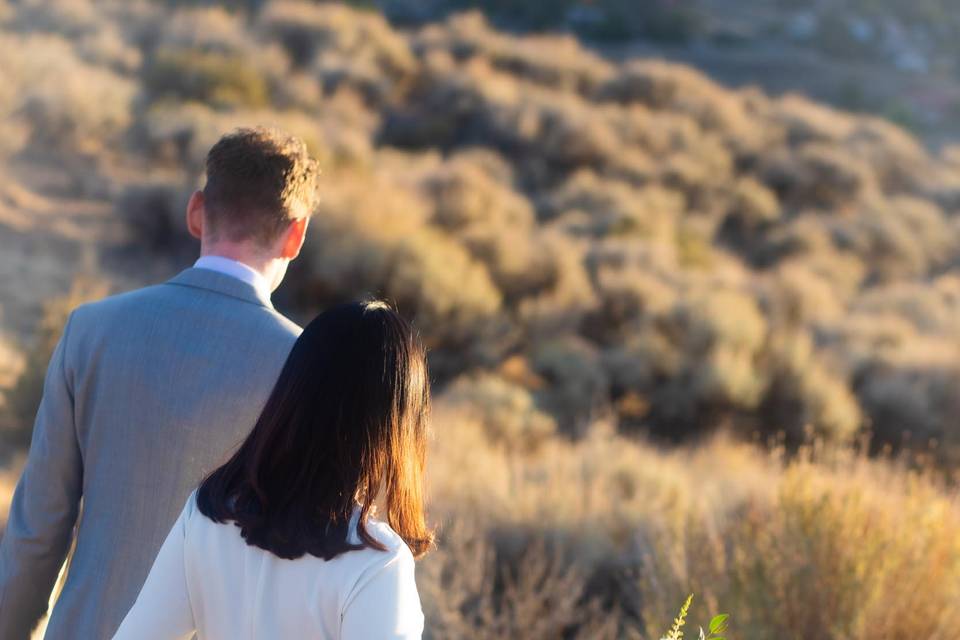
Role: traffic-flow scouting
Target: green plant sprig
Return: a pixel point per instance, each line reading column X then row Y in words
column 717, row 627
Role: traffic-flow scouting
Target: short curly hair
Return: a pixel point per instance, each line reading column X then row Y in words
column 258, row 180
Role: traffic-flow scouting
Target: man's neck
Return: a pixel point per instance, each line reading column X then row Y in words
column 256, row 263
column 269, row 269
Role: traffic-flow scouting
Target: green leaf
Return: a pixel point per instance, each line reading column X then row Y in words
column 719, row 623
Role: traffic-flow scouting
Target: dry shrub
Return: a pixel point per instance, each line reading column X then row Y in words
column 108, row 47
column 898, row 160
column 342, row 46
column 63, row 102
column 576, row 386
column 931, row 308
column 851, row 551
column 434, row 279
column 219, row 79
column 12, row 362
column 817, row 176
column 900, row 344
column 155, row 212
column 627, row 294
column 558, row 62
column 24, row 397
column 701, row 173
column 347, row 31
column 900, row 237
column 98, row 41
column 730, row 327
column 912, row 404
column 797, row 296
column 805, row 121
column 806, row 394
column 556, row 131
column 371, row 237
column 753, row 209
column 665, row 86
column 71, row 18
column 472, row 590
column 826, row 545
column 805, row 240
column 559, row 307
column 473, row 206
column 754, row 203
column 205, row 28
column 179, row 136
column 612, row 207
column 696, row 360
column 444, row 113
column 211, row 55
column 505, row 411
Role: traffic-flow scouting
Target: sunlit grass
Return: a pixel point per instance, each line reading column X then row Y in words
column 822, row 544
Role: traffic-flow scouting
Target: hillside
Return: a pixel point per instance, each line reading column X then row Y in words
column 626, row 239
column 891, row 58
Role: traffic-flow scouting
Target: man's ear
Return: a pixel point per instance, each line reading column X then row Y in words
column 293, row 240
column 195, row 211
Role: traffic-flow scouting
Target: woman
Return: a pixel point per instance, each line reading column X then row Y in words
column 280, row 542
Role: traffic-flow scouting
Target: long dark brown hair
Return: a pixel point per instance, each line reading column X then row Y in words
column 345, row 426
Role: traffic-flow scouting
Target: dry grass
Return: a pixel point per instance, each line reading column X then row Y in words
column 605, row 537
column 828, row 544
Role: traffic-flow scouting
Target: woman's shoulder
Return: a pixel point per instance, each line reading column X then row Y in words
column 395, row 551
column 194, row 519
column 386, row 570
column 385, row 535
column 190, row 509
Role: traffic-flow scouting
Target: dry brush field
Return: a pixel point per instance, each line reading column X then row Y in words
column 684, row 338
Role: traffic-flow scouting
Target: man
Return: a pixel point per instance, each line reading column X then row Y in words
column 148, row 391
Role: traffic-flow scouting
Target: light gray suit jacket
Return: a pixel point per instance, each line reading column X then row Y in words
column 146, row 392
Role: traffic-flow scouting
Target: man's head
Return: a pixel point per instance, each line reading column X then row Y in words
column 261, row 190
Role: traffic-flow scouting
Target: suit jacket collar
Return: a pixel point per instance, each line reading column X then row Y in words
column 222, row 284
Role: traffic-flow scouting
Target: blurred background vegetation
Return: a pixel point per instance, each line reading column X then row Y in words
column 691, row 330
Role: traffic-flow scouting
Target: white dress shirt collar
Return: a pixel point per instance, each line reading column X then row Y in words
column 235, row 269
